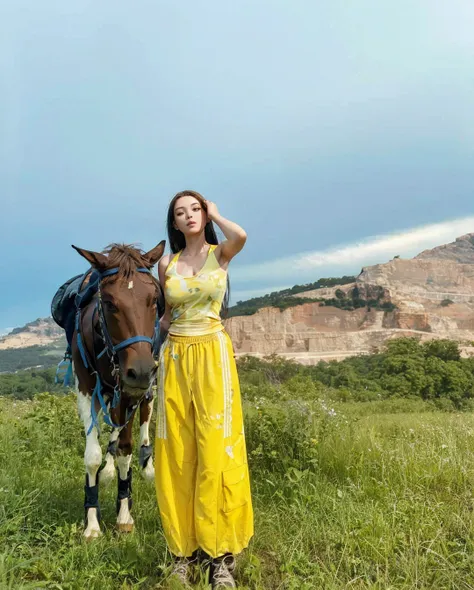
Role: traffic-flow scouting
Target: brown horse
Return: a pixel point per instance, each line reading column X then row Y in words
column 113, row 348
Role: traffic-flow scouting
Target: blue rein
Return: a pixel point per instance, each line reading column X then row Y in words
column 112, row 350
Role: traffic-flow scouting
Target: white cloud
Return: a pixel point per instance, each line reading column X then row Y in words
column 351, row 257
column 5, row 331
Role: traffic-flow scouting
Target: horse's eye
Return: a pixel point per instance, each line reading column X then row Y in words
column 110, row 306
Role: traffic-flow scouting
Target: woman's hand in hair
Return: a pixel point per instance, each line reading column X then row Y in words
column 211, row 209
column 235, row 236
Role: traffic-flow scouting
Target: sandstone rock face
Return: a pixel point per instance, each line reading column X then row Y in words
column 433, row 294
column 461, row 250
column 41, row 332
column 325, row 292
column 429, row 279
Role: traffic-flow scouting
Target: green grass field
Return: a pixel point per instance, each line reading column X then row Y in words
column 372, row 495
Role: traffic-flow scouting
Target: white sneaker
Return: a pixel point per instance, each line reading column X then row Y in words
column 222, row 569
column 182, row 571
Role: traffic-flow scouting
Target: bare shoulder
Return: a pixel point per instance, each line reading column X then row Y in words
column 162, row 266
column 223, row 262
column 227, row 250
column 164, row 261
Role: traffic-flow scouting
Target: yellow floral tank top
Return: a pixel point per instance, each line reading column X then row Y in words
column 196, row 301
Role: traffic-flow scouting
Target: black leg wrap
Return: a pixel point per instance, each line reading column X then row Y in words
column 112, row 448
column 124, row 489
column 91, row 497
column 145, row 453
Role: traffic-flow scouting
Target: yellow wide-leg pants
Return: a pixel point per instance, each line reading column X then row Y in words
column 202, row 477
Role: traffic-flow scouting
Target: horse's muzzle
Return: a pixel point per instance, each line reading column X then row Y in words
column 138, row 376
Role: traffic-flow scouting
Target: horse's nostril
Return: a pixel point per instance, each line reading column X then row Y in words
column 132, row 374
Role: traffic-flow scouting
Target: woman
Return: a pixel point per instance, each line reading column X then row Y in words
column 202, row 479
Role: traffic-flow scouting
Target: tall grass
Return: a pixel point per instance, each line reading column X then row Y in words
column 374, row 495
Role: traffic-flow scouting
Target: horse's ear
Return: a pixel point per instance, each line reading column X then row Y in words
column 96, row 259
column 155, row 254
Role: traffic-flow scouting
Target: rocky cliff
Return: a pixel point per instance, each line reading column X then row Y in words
column 433, row 294
column 43, row 332
column 461, row 250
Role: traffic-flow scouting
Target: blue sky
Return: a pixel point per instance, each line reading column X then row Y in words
column 337, row 134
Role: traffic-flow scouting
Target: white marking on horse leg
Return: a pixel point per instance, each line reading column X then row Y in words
column 124, row 518
column 93, row 528
column 148, row 473
column 144, row 432
column 107, row 473
column 92, row 460
column 93, row 452
column 123, row 464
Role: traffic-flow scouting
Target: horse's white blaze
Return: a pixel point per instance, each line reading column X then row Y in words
column 124, row 516
column 148, row 473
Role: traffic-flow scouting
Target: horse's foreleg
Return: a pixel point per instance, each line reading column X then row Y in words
column 146, row 458
column 124, row 496
column 92, row 461
column 107, row 473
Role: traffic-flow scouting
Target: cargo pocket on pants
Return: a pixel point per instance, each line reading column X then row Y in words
column 235, row 487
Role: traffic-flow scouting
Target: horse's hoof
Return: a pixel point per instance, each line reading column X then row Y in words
column 91, row 525
column 125, row 527
column 91, row 535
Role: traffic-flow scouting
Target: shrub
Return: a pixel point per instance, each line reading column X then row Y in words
column 446, row 302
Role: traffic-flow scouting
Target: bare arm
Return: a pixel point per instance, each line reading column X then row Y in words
column 234, row 234
column 165, row 319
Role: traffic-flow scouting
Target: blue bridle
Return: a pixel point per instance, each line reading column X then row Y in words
column 111, row 349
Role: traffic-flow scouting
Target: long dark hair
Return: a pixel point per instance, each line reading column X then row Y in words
column 177, row 241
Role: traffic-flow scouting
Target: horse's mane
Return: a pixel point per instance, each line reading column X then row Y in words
column 127, row 258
